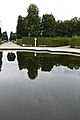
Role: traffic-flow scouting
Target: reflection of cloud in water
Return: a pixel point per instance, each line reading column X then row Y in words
column 61, row 70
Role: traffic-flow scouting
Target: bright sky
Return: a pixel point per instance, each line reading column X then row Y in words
column 11, row 9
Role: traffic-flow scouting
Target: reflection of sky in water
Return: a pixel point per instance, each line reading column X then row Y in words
column 53, row 95
column 10, row 69
column 65, row 70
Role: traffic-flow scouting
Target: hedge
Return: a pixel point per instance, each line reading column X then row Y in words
column 75, row 41
column 46, row 41
column 28, row 41
column 0, row 41
column 19, row 41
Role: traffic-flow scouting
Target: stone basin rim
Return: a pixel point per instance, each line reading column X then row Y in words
column 49, row 50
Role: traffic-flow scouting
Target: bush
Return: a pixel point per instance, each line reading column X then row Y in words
column 75, row 41
column 51, row 42
column 19, row 41
column 0, row 40
column 61, row 41
column 28, row 41
column 45, row 41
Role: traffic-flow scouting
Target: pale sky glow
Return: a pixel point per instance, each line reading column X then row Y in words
column 11, row 9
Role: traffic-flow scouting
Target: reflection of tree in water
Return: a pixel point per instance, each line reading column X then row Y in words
column 32, row 66
column 45, row 61
column 30, row 62
column 11, row 56
column 0, row 60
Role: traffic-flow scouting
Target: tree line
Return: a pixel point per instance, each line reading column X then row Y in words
column 34, row 26
column 4, row 36
column 0, row 31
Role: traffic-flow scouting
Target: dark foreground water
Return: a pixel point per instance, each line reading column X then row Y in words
column 39, row 86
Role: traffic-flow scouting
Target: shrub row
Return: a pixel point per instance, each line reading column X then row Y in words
column 52, row 42
column 28, row 41
column 0, row 40
column 75, row 41
column 45, row 41
column 19, row 41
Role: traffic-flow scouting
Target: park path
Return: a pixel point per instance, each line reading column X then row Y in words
column 63, row 49
column 9, row 44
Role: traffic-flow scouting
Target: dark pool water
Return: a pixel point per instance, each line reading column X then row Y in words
column 37, row 86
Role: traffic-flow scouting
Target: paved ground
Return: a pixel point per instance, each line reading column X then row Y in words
column 64, row 49
column 9, row 44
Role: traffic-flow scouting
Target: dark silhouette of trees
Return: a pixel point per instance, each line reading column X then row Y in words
column 48, row 25
column 33, row 20
column 4, row 36
column 29, row 25
column 12, row 36
column 21, row 27
column 32, row 25
column 0, row 32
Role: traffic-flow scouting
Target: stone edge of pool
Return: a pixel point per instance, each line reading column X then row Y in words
column 46, row 49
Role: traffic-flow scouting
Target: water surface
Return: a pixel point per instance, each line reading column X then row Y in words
column 36, row 86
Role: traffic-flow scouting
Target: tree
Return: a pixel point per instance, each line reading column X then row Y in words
column 65, row 28
column 48, row 25
column 73, row 22
column 20, row 30
column 60, row 28
column 68, row 28
column 4, row 36
column 78, row 27
column 0, row 32
column 12, row 36
column 33, row 20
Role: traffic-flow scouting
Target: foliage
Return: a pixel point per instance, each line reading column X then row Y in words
column 20, row 27
column 47, row 25
column 0, row 35
column 75, row 41
column 12, row 36
column 19, row 41
column 29, row 25
column 28, row 41
column 0, row 40
column 48, row 31
column 33, row 20
column 46, row 41
column 51, row 41
column 0, row 32
column 4, row 36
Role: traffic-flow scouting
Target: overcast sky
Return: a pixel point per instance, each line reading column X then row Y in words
column 11, row 9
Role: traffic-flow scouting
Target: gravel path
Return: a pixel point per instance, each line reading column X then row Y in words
column 63, row 49
column 9, row 44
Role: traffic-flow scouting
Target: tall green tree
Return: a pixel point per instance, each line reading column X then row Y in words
column 65, row 28
column 73, row 22
column 12, row 36
column 0, row 32
column 48, row 25
column 78, row 27
column 20, row 30
column 4, row 36
column 60, row 29
column 33, row 20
